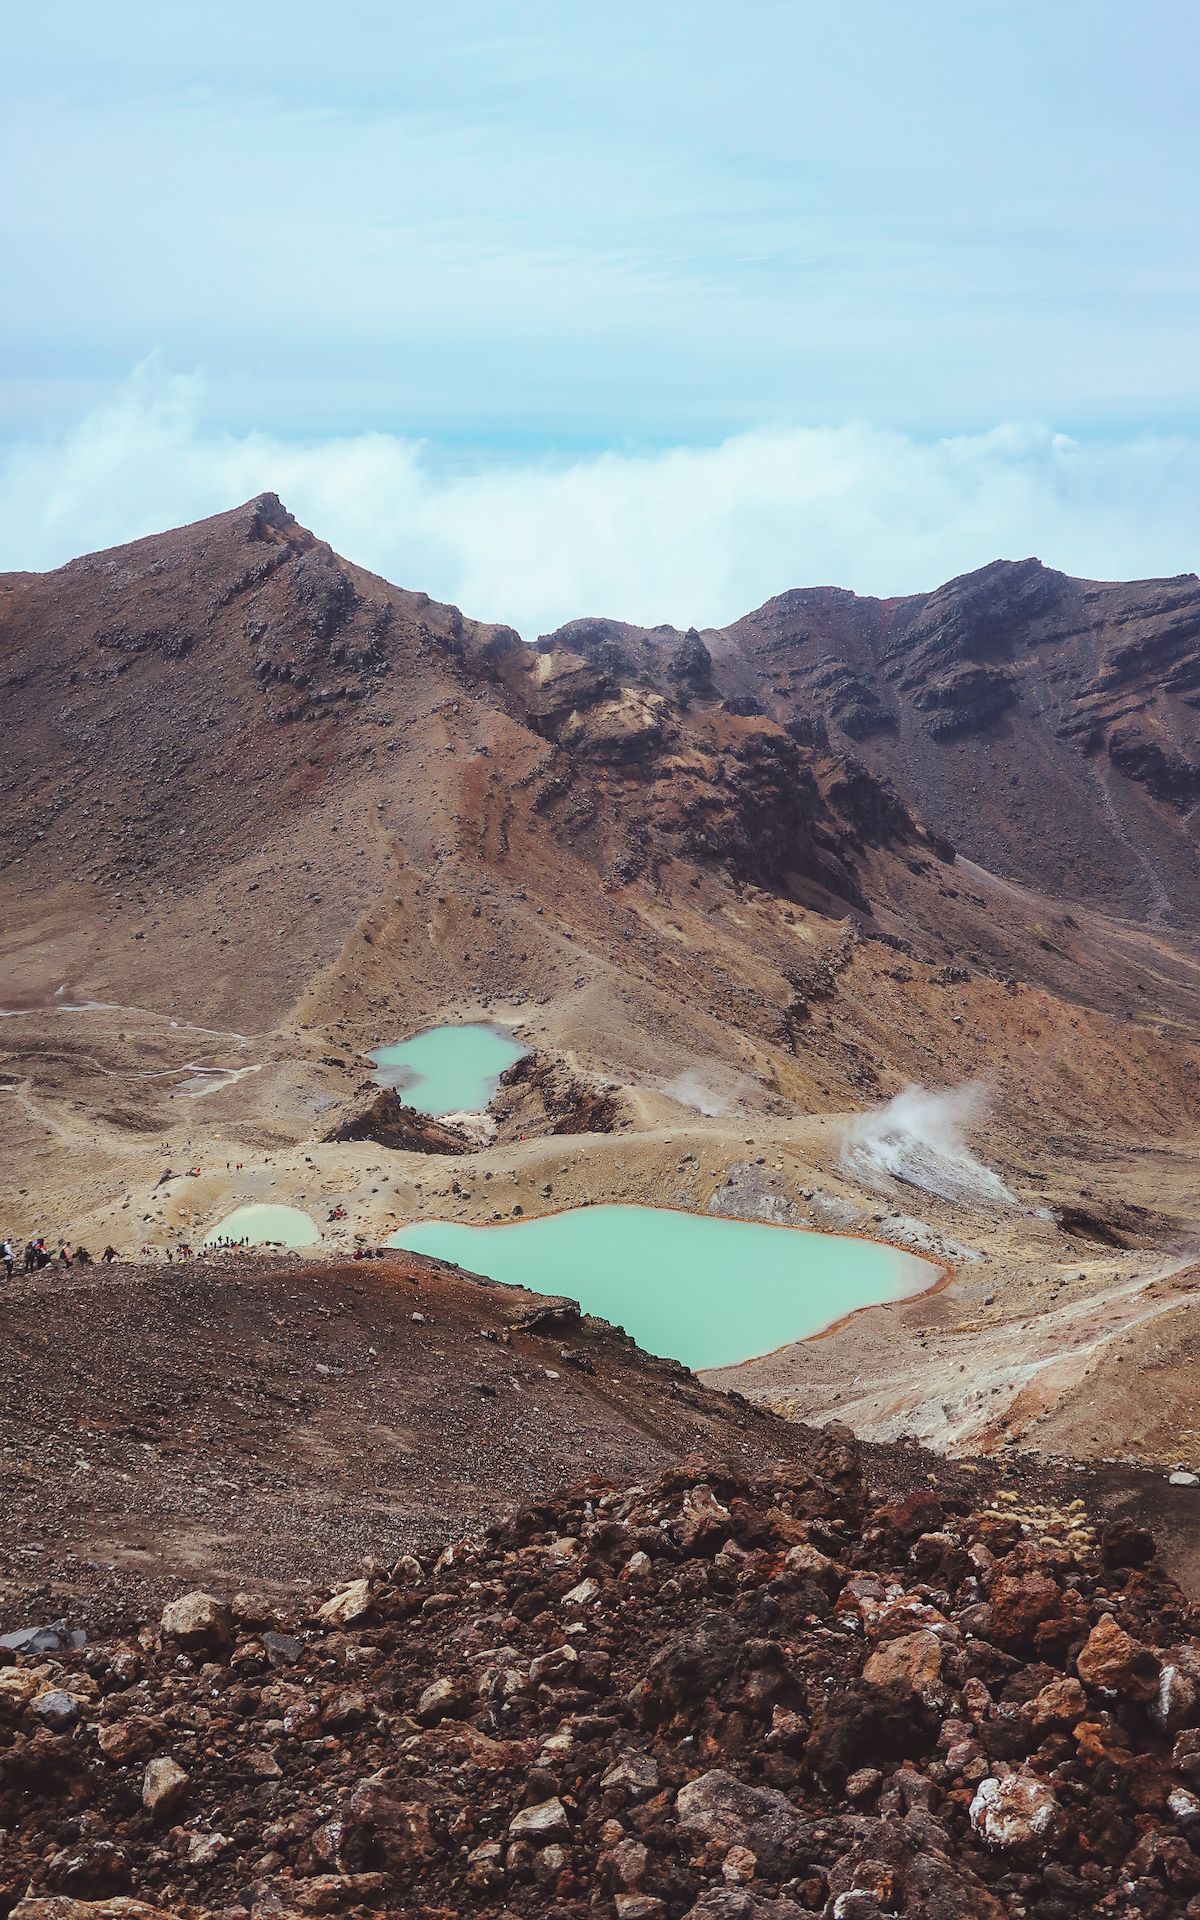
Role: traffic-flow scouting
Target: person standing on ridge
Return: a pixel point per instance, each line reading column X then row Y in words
column 9, row 1258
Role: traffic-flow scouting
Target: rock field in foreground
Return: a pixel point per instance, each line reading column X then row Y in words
column 736, row 1699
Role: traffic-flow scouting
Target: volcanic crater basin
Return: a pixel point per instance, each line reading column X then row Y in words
column 451, row 1069
column 707, row 1292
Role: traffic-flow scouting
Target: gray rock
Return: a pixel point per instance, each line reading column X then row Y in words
column 738, row 1903
column 541, row 1824
column 633, row 1774
column 56, row 1709
column 49, row 1639
column 1177, row 1703
column 751, row 1194
column 281, row 1649
column 1183, row 1806
column 718, row 1807
column 204, row 1848
column 164, row 1787
column 554, row 1665
column 440, row 1698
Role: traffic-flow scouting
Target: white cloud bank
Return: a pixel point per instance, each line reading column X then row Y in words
column 690, row 535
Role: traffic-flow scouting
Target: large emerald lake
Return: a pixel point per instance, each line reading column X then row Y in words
column 708, row 1292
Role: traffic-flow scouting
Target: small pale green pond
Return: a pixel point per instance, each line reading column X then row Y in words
column 262, row 1222
column 709, row 1292
column 448, row 1069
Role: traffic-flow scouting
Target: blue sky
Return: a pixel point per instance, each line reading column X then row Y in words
column 556, row 249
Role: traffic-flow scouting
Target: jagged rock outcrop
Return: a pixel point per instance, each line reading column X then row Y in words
column 689, row 664
column 965, row 699
column 871, row 808
column 1170, row 776
column 981, row 617
column 626, row 730
column 386, row 1120
column 852, row 700
column 540, row 1094
column 660, row 766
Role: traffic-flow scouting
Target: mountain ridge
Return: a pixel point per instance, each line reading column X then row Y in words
column 1091, row 690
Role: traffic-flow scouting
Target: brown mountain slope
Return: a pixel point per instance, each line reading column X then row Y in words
column 180, row 701
column 191, row 685
column 200, row 684
column 1049, row 726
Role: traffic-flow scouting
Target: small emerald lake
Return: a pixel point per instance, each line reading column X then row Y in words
column 706, row 1291
column 262, row 1223
column 448, row 1069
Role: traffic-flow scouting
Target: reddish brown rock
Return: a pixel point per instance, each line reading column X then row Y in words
column 1029, row 1611
column 60, row 1907
column 1060, row 1703
column 911, row 1663
column 1114, row 1662
column 384, row 1829
column 389, row 1123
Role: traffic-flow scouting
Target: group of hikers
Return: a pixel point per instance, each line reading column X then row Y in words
column 186, row 1251
column 40, row 1252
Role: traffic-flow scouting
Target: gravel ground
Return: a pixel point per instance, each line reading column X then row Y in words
column 269, row 1422
column 710, row 1695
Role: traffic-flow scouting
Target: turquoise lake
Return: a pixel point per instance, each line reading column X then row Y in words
column 708, row 1292
column 448, row 1069
column 263, row 1222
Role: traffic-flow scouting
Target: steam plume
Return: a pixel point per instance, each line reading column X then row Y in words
column 710, row 1093
column 919, row 1138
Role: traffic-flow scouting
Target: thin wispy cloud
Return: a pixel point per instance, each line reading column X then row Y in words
column 553, row 226
column 693, row 535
